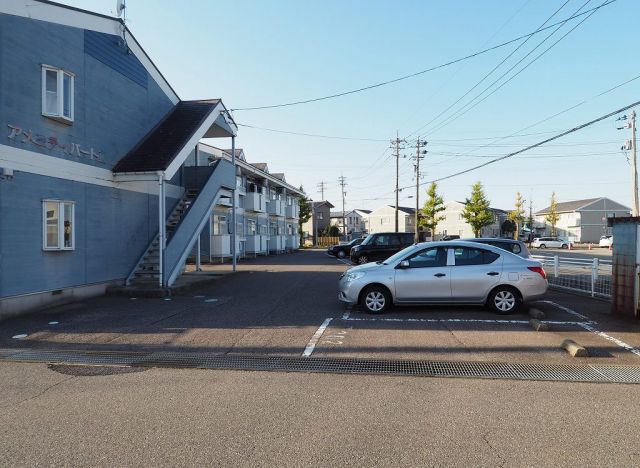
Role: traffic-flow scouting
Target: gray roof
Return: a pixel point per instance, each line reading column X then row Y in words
column 261, row 166
column 404, row 209
column 568, row 206
column 278, row 175
column 316, row 204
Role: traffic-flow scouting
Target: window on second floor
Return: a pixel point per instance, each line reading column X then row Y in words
column 57, row 93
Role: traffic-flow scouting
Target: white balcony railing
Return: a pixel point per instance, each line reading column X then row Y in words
column 255, row 201
column 292, row 211
column 220, row 245
column 275, row 207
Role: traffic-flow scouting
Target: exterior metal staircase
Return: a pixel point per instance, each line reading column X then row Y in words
column 147, row 270
column 203, row 187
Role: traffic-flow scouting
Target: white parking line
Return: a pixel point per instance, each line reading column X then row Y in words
column 566, row 309
column 316, row 336
column 347, row 317
column 346, row 262
column 620, row 343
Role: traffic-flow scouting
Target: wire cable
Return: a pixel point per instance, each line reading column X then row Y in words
column 421, row 72
column 536, row 145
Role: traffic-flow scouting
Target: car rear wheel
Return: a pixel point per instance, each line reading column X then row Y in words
column 363, row 259
column 341, row 254
column 504, row 300
column 564, row 246
column 376, row 299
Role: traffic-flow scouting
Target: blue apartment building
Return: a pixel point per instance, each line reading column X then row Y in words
column 101, row 182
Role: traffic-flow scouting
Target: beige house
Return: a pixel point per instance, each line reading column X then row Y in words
column 357, row 221
column 583, row 220
column 455, row 225
column 383, row 219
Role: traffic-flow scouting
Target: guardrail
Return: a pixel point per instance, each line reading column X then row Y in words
column 589, row 275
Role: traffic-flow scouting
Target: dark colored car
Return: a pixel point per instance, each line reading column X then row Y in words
column 517, row 247
column 380, row 246
column 343, row 250
column 451, row 237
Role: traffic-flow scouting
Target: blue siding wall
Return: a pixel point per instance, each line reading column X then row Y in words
column 112, row 111
column 101, row 47
column 112, row 229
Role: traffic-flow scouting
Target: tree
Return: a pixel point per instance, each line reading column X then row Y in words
column 331, row 231
column 530, row 222
column 517, row 215
column 553, row 217
column 432, row 209
column 304, row 214
column 476, row 211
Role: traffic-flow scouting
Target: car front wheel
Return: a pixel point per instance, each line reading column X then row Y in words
column 542, row 246
column 376, row 299
column 341, row 254
column 565, row 246
column 504, row 300
column 363, row 259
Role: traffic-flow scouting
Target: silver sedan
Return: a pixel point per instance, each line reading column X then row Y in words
column 444, row 273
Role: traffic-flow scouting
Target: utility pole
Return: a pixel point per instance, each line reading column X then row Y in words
column 419, row 155
column 631, row 145
column 321, row 186
column 395, row 144
column 342, row 180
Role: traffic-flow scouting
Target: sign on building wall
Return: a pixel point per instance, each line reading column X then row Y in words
column 51, row 143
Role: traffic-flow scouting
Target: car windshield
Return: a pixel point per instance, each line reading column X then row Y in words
column 367, row 240
column 354, row 242
column 397, row 256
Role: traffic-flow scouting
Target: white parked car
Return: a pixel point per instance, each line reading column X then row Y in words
column 550, row 243
column 446, row 272
column 606, row 241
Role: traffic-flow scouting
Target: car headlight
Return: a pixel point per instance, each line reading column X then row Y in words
column 348, row 277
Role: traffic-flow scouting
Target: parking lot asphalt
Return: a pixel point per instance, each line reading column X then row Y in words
column 286, row 306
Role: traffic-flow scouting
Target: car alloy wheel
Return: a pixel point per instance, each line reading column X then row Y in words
column 504, row 300
column 363, row 259
column 341, row 254
column 376, row 300
column 542, row 246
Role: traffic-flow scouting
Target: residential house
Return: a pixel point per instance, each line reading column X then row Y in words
column 454, row 223
column 356, row 220
column 101, row 178
column 319, row 220
column 583, row 220
column 383, row 219
column 267, row 211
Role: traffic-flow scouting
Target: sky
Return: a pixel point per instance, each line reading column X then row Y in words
column 257, row 53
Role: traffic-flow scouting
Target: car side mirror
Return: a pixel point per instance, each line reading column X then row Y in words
column 404, row 264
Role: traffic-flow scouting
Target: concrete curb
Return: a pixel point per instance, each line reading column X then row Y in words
column 538, row 326
column 574, row 348
column 537, row 313
column 160, row 292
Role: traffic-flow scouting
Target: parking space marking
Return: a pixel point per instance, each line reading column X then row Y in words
column 620, row 343
column 316, row 336
column 346, row 262
column 347, row 317
column 566, row 309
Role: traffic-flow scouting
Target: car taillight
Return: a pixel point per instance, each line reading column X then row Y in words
column 539, row 270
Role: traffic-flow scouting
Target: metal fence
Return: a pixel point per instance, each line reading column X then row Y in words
column 589, row 275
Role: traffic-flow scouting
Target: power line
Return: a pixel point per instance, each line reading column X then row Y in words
column 412, row 75
column 510, row 155
column 491, row 71
column 471, row 104
column 314, row 135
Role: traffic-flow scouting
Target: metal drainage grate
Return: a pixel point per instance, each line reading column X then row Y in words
column 469, row 369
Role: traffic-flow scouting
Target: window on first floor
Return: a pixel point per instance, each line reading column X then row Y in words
column 220, row 225
column 273, row 229
column 251, row 227
column 57, row 93
column 58, row 225
column 290, row 231
column 263, row 229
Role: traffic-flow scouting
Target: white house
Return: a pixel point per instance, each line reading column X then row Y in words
column 357, row 221
column 583, row 220
column 454, row 223
column 383, row 219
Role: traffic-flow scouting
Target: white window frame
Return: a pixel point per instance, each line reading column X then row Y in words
column 60, row 74
column 61, row 205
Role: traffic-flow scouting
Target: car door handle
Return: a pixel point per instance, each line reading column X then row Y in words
column 493, row 273
column 439, row 275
